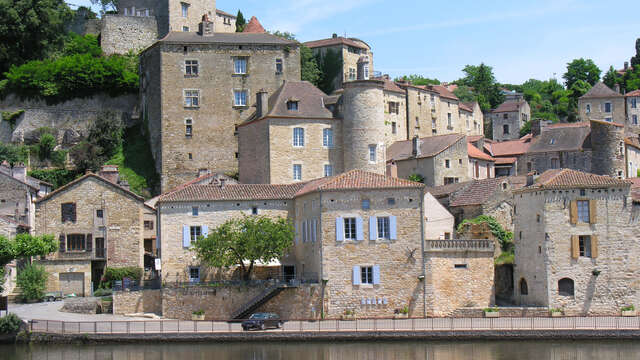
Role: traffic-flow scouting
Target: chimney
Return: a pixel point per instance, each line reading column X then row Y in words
column 334, row 36
column 530, row 179
column 536, row 127
column 626, row 65
column 363, row 68
column 262, row 104
column 19, row 172
column 222, row 183
column 5, row 168
column 206, row 27
column 415, row 147
column 110, row 172
column 124, row 184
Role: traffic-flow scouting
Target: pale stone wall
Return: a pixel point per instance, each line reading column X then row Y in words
column 121, row 34
column 305, row 252
column 176, row 259
column 197, row 8
column 399, row 260
column 542, row 161
column 617, row 113
column 131, row 302
column 515, row 120
column 218, row 302
column 391, row 119
column 213, row 144
column 631, row 128
column 437, row 220
column 55, row 268
column 226, row 27
column 423, row 109
column 16, row 199
column 254, row 161
column 457, row 126
column 607, row 142
column 8, row 229
column 303, row 302
column 486, row 169
column 633, row 161
column 477, row 121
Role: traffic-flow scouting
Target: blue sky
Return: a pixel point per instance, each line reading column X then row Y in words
column 520, row 39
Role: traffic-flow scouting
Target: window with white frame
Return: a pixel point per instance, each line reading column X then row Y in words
column 352, row 74
column 191, row 98
column 327, row 138
column 588, row 109
column 185, row 29
column 194, row 274
column 383, row 228
column 191, row 67
column 373, row 157
column 349, row 228
column 366, row 275
column 366, row 72
column 188, row 128
column 196, row 232
column 279, row 66
column 607, row 107
column 298, row 137
column 240, row 65
column 185, row 9
column 583, row 211
column 240, row 98
column 328, row 170
column 297, row 172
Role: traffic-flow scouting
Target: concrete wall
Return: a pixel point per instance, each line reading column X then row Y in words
column 131, row 302
column 121, row 34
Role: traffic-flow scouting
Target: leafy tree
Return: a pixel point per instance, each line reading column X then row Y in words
column 581, row 69
column 106, row 133
column 464, row 93
column 416, row 177
column 87, row 157
column 487, row 91
column 45, row 146
column 330, row 64
column 32, row 280
column 285, row 35
column 309, row 69
column 10, row 324
column 250, row 239
column 635, row 60
column 505, row 237
column 30, row 29
column 418, row 80
column 525, row 129
column 13, row 153
column 56, row 177
column 241, row 22
column 25, row 245
column 611, row 77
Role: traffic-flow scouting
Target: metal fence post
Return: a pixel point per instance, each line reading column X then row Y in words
column 128, row 328
column 111, row 326
column 47, row 325
column 161, row 327
column 95, row 327
column 63, row 327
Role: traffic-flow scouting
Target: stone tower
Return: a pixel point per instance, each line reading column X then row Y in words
column 607, row 142
column 363, row 126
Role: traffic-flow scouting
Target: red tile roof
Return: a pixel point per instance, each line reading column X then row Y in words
column 337, row 41
column 509, row 106
column 505, row 160
column 633, row 93
column 509, row 148
column 475, row 153
column 570, row 179
column 390, row 85
column 254, row 26
column 444, row 92
column 465, row 107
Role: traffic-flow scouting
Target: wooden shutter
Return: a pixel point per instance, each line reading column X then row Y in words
column 393, row 228
column 574, row 212
column 373, row 228
column 376, row 274
column 594, row 246
column 356, row 275
column 63, row 243
column 359, row 234
column 73, row 212
column 575, row 247
column 593, row 211
column 186, row 236
column 339, row 229
column 89, row 242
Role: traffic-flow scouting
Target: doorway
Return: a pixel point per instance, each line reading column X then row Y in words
column 288, row 272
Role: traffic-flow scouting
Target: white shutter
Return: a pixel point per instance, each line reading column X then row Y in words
column 373, row 228
column 356, row 275
column 186, row 236
column 339, row 229
column 376, row 274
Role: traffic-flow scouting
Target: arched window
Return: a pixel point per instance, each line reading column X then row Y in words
column 524, row 289
column 565, row 287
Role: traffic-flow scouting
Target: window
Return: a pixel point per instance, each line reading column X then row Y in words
column 366, row 72
column 451, row 180
column 394, row 107
column 634, row 119
column 191, row 98
column 447, row 163
column 583, row 210
column 383, row 228
column 148, row 225
column 279, row 66
column 505, row 116
column 240, row 65
column 185, row 29
column 588, row 109
column 634, row 103
column 191, row 67
column 185, row 9
column 460, row 266
column 394, row 130
column 188, row 128
column 524, row 288
column 366, row 204
column 565, row 287
column 328, row 170
column 366, row 275
column 608, row 119
column 352, row 74
column 584, row 241
column 505, row 129
column 194, row 210
column 298, row 137
column 433, row 123
column 449, row 120
column 327, row 138
column 240, row 98
column 196, row 232
column 292, row 105
column 297, row 172
column 190, row 156
column 100, row 213
column 433, row 98
column 254, row 210
column 68, row 212
column 75, row 242
column 372, row 153
column 607, row 107
column 391, row 201
column 349, row 228
column 555, row 163
column 194, row 274
column 447, row 236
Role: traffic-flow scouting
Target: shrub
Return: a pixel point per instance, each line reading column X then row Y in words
column 491, row 309
column 199, row 312
column 32, row 280
column 56, row 177
column 416, row 177
column 102, row 292
column 46, row 145
column 117, row 274
column 555, row 310
column 14, row 153
column 628, row 308
column 10, row 324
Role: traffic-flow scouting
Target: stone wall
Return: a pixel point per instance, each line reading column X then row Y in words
column 632, row 126
column 131, row 302
column 55, row 268
column 633, row 161
column 607, row 141
column 16, row 199
column 121, row 34
column 617, row 113
column 399, row 131
column 543, row 161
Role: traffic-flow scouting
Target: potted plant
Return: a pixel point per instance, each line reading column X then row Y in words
column 401, row 313
column 492, row 312
column 628, row 311
column 348, row 314
column 555, row 312
column 197, row 315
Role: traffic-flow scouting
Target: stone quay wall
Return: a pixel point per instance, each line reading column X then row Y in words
column 131, row 302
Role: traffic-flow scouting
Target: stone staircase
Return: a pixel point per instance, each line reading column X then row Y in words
column 266, row 295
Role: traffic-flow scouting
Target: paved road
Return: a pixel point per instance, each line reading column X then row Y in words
column 51, row 311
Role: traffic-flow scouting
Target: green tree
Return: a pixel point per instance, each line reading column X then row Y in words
column 309, row 69
column 30, row 29
column 481, row 79
column 250, row 239
column 635, row 60
column 104, row 140
column 330, row 63
column 464, row 93
column 241, row 22
column 581, row 69
column 32, row 280
column 418, row 80
column 611, row 77
column 107, row 5
column 46, row 144
column 24, row 245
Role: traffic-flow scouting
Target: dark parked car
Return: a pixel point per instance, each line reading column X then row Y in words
column 262, row 321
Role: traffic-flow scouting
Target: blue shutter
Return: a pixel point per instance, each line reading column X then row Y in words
column 376, row 274
column 359, row 234
column 356, row 275
column 339, row 229
column 205, row 230
column 186, row 236
column 373, row 228
column 393, row 230
column 297, row 237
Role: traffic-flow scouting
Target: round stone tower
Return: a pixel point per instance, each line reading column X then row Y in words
column 363, row 126
column 607, row 144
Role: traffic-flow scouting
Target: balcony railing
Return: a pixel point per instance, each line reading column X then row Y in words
column 459, row 245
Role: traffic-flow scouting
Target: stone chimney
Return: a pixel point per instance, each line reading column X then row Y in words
column 531, row 178
column 124, row 184
column 626, row 65
column 415, row 147
column 5, row 168
column 262, row 104
column 19, row 172
column 616, row 88
column 222, row 183
column 334, row 36
column 110, row 172
column 206, row 27
column 536, row 127
column 480, row 144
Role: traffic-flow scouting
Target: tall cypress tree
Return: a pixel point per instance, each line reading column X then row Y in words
column 241, row 22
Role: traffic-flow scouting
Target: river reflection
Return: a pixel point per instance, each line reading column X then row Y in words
column 409, row 350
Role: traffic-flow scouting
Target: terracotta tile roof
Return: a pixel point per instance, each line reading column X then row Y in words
column 445, row 190
column 232, row 192
column 477, row 192
column 633, row 93
column 465, row 107
column 390, row 85
column 225, row 13
column 600, row 90
column 505, row 160
column 83, row 178
column 337, row 41
column 254, row 27
column 444, row 92
column 562, row 138
column 569, row 179
column 429, row 146
column 474, row 138
column 471, row 104
column 180, row 37
column 357, row 180
column 509, row 106
column 475, row 153
column 509, row 148
column 563, row 125
column 633, row 141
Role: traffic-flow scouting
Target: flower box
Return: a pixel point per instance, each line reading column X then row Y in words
column 628, row 313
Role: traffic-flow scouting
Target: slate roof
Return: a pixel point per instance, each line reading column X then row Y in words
column 429, row 146
column 633, row 93
column 254, row 26
column 600, row 90
column 443, row 190
column 225, row 13
column 20, row 181
column 509, row 106
column 81, row 179
column 475, row 153
column 180, row 37
column 337, row 41
column 357, row 180
column 562, row 138
column 477, row 192
column 570, row 179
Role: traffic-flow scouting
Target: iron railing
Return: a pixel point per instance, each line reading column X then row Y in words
column 136, row 285
column 358, row 325
column 478, row 245
column 284, row 280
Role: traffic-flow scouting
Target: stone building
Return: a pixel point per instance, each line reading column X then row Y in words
column 576, row 243
column 481, row 165
column 633, row 113
column 395, row 112
column 632, row 157
column 98, row 222
column 508, row 118
column 192, row 124
column 602, row 104
column 351, row 52
column 18, row 191
column 440, row 160
column 471, row 115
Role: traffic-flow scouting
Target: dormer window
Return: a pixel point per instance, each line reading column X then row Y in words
column 292, row 105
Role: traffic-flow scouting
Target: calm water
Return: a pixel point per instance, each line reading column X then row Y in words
column 521, row 350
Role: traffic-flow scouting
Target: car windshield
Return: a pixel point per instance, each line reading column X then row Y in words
column 259, row 316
